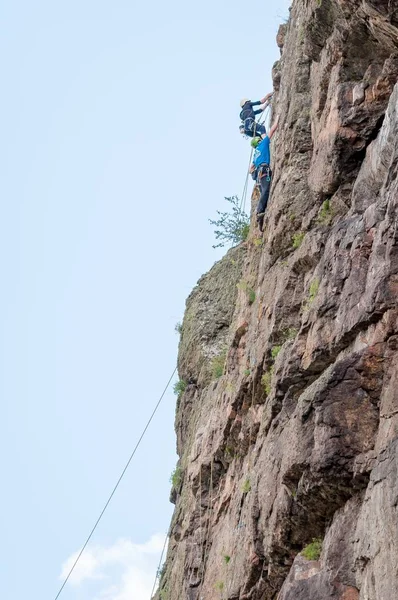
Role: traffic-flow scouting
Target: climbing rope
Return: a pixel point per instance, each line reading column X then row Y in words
column 157, row 576
column 200, row 512
column 242, row 206
column 266, row 115
column 209, row 512
column 229, row 585
column 116, row 486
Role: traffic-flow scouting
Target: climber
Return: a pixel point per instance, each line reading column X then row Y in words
column 249, row 126
column 260, row 170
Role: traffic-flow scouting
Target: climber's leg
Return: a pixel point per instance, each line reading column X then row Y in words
column 265, row 185
column 264, row 181
column 260, row 129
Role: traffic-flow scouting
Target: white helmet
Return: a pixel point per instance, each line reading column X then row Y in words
column 243, row 102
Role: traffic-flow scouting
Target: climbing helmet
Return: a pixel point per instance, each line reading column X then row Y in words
column 243, row 102
column 255, row 142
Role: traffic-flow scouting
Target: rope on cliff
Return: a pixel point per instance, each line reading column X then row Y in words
column 244, row 193
column 157, row 576
column 117, row 485
column 200, row 513
column 230, row 580
column 209, row 510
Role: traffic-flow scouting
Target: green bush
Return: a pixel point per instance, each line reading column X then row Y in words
column 227, row 559
column 180, row 387
column 218, row 364
column 298, row 239
column 178, row 328
column 219, row 586
column 232, row 227
column 176, row 477
column 313, row 550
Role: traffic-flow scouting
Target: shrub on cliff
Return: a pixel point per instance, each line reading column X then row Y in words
column 313, row 550
column 180, row 387
column 176, row 477
column 232, row 227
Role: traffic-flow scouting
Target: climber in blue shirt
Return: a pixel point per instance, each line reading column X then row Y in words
column 260, row 170
column 249, row 125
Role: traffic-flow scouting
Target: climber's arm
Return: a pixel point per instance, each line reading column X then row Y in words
column 273, row 128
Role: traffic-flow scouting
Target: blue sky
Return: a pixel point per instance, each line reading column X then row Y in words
column 119, row 141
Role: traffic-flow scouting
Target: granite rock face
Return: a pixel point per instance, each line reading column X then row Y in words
column 297, row 438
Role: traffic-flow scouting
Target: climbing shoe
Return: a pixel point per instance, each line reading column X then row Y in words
column 260, row 221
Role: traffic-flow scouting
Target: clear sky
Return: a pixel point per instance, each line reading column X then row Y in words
column 119, row 127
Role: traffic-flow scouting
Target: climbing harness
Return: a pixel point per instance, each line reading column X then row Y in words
column 264, row 170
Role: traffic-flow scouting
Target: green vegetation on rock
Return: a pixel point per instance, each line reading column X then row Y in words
column 275, row 351
column 325, row 214
column 176, row 477
column 232, row 227
column 227, row 559
column 180, row 387
column 313, row 550
column 314, row 287
column 218, row 364
column 266, row 380
column 246, row 487
column 298, row 239
column 250, row 293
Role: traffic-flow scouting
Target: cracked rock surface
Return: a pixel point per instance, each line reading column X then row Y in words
column 296, row 439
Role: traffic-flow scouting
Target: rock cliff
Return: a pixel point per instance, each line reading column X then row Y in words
column 287, row 429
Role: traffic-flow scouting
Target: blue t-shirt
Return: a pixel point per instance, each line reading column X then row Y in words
column 262, row 153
